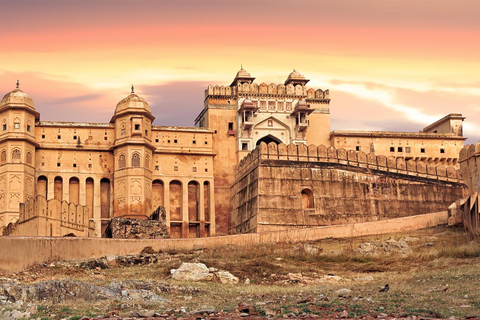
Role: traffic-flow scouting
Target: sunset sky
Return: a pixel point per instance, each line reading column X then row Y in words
column 389, row 65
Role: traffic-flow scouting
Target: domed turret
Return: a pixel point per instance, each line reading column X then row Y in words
column 133, row 103
column 17, row 98
column 241, row 77
column 296, row 78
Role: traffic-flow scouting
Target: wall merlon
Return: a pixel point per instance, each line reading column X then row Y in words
column 323, row 154
column 268, row 89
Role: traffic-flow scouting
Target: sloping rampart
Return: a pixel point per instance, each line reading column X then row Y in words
column 352, row 158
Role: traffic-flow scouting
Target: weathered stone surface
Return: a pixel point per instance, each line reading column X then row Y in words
column 343, row 292
column 191, row 272
column 226, row 277
column 387, row 247
column 325, row 193
column 129, row 228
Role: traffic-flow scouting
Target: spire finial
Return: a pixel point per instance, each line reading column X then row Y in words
column 241, row 67
column 133, row 89
column 18, row 84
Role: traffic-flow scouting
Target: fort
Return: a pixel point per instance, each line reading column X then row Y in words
column 260, row 157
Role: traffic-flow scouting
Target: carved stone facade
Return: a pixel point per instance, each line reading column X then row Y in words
column 119, row 169
column 245, row 113
column 128, row 166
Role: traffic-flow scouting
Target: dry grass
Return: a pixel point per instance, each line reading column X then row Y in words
column 439, row 278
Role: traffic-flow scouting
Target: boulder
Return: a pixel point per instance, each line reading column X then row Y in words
column 191, row 272
column 226, row 277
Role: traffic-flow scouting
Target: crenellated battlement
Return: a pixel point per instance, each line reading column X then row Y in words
column 323, row 154
column 469, row 159
column 52, row 218
column 268, row 89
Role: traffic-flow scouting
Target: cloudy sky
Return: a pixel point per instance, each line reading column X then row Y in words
column 389, row 65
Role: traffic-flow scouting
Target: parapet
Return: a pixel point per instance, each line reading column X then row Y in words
column 352, row 158
column 469, row 160
column 269, row 89
column 52, row 218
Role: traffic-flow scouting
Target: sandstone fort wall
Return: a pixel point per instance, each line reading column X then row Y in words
column 39, row 217
column 21, row 252
column 279, row 187
column 469, row 160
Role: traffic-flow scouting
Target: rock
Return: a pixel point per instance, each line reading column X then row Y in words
column 343, row 292
column 270, row 313
column 32, row 309
column 132, row 228
column 147, row 314
column 366, row 278
column 248, row 309
column 247, row 281
column 226, row 277
column 343, row 314
column 295, row 277
column 111, row 260
column 331, row 278
column 134, row 314
column 212, row 269
column 190, row 272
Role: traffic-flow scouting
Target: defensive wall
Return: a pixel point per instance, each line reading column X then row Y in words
column 39, row 217
column 469, row 160
column 279, row 187
column 20, row 252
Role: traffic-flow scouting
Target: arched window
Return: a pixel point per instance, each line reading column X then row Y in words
column 16, row 155
column 135, row 160
column 121, row 161
column 147, row 162
column 3, row 157
column 29, row 157
column 307, row 199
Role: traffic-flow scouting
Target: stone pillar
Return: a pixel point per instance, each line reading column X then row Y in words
column 211, row 207
column 97, row 208
column 201, row 208
column 184, row 208
column 83, row 191
column 65, row 188
column 166, row 202
column 50, row 187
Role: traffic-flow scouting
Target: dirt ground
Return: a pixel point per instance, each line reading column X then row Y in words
column 431, row 273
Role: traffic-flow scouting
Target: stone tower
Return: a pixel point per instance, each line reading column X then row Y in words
column 133, row 157
column 245, row 113
column 17, row 153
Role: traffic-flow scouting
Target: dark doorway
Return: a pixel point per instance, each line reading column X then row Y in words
column 268, row 139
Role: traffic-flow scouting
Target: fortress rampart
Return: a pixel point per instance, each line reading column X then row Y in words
column 39, row 217
column 351, row 158
column 280, row 187
column 469, row 160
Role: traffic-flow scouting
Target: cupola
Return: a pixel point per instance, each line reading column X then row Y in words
column 296, row 78
column 17, row 98
column 132, row 103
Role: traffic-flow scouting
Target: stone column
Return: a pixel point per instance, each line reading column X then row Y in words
column 83, row 191
column 65, row 188
column 166, row 202
column 201, row 208
column 211, row 207
column 97, row 208
column 184, row 208
column 50, row 187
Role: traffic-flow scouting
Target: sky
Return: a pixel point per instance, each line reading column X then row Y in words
column 389, row 65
